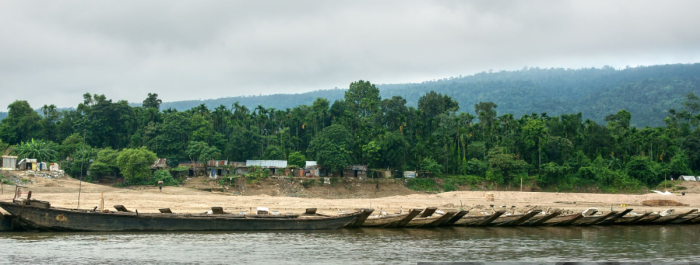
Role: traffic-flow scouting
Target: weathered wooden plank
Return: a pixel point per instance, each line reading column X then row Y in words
column 428, row 212
column 618, row 216
column 310, row 211
column 602, row 218
column 217, row 210
column 165, row 210
column 412, row 214
column 455, row 218
column 492, row 218
column 441, row 220
column 571, row 221
column 546, row 218
column 638, row 218
column 362, row 218
column 678, row 217
column 121, row 208
column 522, row 219
column 690, row 220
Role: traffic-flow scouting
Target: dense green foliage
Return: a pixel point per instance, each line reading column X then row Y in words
column 439, row 134
column 135, row 164
column 41, row 150
column 165, row 177
column 296, row 159
column 105, row 163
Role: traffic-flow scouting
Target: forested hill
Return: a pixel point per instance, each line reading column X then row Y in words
column 647, row 92
column 3, row 115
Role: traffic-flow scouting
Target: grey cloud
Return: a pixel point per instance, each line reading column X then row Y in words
column 53, row 52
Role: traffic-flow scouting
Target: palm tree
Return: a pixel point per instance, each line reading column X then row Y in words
column 41, row 150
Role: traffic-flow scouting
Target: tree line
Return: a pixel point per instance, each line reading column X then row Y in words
column 436, row 137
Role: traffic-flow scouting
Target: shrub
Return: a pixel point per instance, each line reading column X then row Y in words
column 422, row 184
column 308, row 183
column 432, row 166
column 163, row 175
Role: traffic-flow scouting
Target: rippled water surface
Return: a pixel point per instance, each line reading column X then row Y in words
column 405, row 246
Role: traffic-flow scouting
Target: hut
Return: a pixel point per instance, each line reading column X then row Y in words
column 409, row 174
column 194, row 168
column 310, row 169
column 161, row 163
column 9, row 162
column 276, row 167
column 217, row 168
column 687, row 178
column 27, row 164
column 358, row 171
column 238, row 168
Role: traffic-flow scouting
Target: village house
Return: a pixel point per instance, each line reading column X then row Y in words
column 217, row 168
column 194, row 169
column 358, row 171
column 276, row 167
column 9, row 162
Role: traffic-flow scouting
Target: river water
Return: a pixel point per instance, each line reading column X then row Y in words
column 362, row 246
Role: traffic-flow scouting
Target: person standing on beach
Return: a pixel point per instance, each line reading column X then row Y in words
column 160, row 185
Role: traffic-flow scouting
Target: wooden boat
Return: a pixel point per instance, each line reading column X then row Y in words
column 594, row 219
column 514, row 219
column 562, row 220
column 426, row 217
column 391, row 220
column 479, row 220
column 541, row 219
column 39, row 215
column 630, row 218
column 692, row 219
column 672, row 218
column 383, row 220
column 455, row 218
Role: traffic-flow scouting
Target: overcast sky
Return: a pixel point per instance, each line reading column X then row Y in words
column 55, row 51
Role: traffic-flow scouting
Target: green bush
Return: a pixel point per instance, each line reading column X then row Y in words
column 228, row 180
column 432, row 166
column 422, row 184
column 334, row 181
column 163, row 175
column 308, row 183
column 449, row 185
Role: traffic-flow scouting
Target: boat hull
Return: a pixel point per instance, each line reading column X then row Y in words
column 59, row 219
column 383, row 220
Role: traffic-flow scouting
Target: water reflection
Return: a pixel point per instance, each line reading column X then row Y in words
column 613, row 243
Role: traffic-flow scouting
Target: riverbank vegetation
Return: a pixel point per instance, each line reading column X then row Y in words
column 451, row 145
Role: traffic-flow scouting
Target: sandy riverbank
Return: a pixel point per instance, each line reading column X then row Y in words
column 64, row 193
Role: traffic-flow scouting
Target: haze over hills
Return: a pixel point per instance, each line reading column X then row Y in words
column 647, row 92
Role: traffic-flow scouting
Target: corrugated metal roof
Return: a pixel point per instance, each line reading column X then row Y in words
column 237, row 164
column 217, row 163
column 190, row 164
column 160, row 162
column 357, row 167
column 311, row 164
column 688, row 178
column 267, row 163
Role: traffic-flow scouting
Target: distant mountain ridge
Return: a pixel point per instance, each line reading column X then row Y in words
column 647, row 92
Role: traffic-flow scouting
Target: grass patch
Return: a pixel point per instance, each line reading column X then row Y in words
column 308, row 183
column 421, row 184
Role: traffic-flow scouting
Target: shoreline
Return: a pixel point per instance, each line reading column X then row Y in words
column 64, row 193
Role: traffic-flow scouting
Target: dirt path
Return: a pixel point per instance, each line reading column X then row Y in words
column 64, row 193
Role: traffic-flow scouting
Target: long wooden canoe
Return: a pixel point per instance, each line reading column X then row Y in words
column 41, row 216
